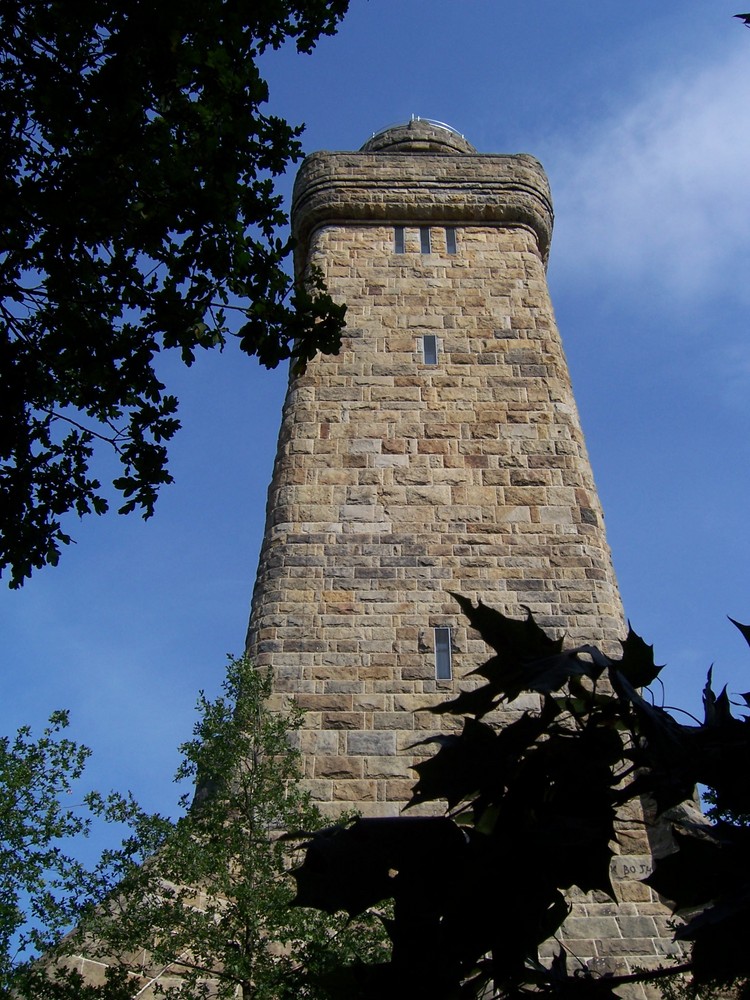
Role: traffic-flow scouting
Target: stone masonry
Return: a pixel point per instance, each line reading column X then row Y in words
column 439, row 451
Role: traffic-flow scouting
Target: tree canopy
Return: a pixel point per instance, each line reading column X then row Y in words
column 139, row 214
column 45, row 887
column 193, row 908
column 212, row 906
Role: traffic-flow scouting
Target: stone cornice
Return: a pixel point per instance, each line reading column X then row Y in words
column 417, row 188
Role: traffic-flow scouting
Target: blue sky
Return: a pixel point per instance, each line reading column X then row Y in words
column 639, row 113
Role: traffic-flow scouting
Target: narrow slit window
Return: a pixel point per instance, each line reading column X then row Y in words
column 450, row 240
column 443, row 671
column 430, row 349
column 399, row 240
column 424, row 240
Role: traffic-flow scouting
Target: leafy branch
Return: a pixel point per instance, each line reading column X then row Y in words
column 140, row 194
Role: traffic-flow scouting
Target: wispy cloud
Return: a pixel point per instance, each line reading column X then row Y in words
column 658, row 193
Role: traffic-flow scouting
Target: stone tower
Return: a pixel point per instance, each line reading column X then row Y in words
column 439, row 451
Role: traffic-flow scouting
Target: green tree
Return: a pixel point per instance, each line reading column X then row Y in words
column 212, row 906
column 531, row 813
column 200, row 904
column 44, row 886
column 139, row 214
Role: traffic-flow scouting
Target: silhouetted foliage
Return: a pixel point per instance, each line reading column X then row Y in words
column 138, row 214
column 531, row 813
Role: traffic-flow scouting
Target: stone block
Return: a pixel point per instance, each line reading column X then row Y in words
column 354, row 791
column 362, row 494
column 635, row 892
column 366, row 446
column 625, row 946
column 371, row 744
column 631, row 866
column 325, row 702
column 369, row 702
column 386, row 767
column 316, row 741
column 637, row 927
column 399, row 791
column 361, row 512
column 339, row 767
column 339, row 686
column 419, row 669
column 342, row 720
column 392, row 720
column 591, row 927
column 581, row 948
column 321, row 790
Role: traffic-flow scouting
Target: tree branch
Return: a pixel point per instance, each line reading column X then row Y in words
column 118, row 435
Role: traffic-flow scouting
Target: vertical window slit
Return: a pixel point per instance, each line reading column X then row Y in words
column 424, row 239
column 399, row 241
column 443, row 671
column 450, row 239
column 430, row 348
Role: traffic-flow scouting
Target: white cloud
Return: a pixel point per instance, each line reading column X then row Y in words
column 658, row 194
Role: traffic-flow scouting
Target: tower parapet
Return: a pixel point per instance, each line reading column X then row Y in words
column 416, row 174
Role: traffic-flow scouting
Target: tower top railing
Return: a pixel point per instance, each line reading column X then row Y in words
column 416, row 118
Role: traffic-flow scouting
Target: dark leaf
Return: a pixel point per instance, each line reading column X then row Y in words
column 744, row 629
column 706, row 864
column 508, row 636
column 717, row 710
column 637, row 663
column 352, row 868
column 543, row 675
column 478, row 702
column 460, row 768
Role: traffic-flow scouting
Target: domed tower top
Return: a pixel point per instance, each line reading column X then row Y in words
column 418, row 135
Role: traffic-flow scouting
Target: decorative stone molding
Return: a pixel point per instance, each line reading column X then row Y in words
column 401, row 187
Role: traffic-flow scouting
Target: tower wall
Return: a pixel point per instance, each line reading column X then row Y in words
column 398, row 481
column 401, row 477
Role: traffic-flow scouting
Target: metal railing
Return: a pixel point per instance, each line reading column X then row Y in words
column 416, row 118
